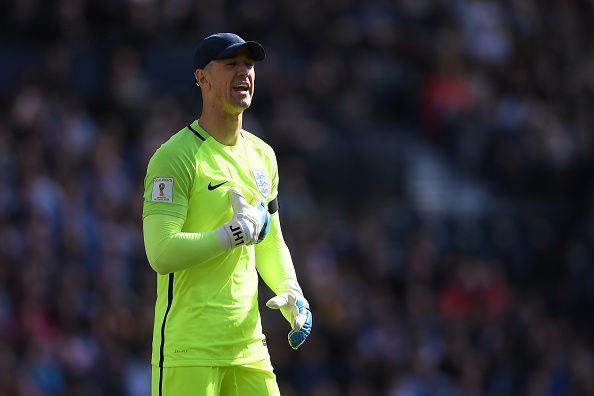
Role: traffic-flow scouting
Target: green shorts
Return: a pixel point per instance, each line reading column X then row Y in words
column 254, row 380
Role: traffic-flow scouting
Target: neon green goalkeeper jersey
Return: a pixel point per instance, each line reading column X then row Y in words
column 207, row 314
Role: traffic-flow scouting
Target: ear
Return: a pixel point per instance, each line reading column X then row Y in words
column 201, row 79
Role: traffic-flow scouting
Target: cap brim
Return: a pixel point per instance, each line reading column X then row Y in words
column 255, row 49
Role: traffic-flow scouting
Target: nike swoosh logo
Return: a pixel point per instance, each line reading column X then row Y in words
column 211, row 187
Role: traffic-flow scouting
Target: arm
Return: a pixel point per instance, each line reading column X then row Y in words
column 169, row 178
column 274, row 262
column 275, row 266
column 273, row 259
column 169, row 250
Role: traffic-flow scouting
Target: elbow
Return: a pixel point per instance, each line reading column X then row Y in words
column 159, row 267
column 156, row 262
column 155, row 250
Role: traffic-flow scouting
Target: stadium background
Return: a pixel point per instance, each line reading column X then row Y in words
column 437, row 188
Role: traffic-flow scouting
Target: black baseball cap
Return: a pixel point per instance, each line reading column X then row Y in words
column 222, row 46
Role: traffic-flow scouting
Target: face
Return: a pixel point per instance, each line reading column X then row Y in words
column 229, row 83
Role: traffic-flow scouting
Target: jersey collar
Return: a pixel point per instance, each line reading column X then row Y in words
column 201, row 132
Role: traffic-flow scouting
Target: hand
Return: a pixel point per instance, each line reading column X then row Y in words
column 296, row 310
column 263, row 210
column 249, row 224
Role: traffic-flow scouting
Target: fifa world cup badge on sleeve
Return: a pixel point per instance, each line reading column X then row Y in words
column 163, row 189
column 262, row 181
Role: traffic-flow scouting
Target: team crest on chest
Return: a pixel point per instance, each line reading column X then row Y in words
column 262, row 181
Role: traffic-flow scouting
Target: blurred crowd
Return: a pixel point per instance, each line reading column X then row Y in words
column 406, row 303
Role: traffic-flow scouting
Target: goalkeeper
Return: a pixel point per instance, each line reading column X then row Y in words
column 211, row 224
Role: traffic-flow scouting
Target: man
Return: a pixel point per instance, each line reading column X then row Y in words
column 211, row 224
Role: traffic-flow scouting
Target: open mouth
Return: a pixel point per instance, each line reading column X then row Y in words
column 241, row 87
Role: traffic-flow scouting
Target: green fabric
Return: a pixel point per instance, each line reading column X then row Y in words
column 256, row 379
column 211, row 309
column 273, row 259
column 274, row 263
column 170, row 250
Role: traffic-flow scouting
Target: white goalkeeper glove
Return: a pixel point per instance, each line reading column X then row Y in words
column 295, row 309
column 249, row 224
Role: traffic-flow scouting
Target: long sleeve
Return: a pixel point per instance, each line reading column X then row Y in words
column 274, row 262
column 169, row 250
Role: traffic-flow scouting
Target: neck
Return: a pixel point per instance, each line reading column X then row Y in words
column 224, row 127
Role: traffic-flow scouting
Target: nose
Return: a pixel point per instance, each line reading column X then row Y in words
column 242, row 69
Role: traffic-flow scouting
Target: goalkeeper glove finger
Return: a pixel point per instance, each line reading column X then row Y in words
column 296, row 310
column 265, row 218
column 248, row 224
